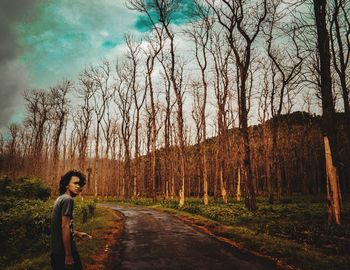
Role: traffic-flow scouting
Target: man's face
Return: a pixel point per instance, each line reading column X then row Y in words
column 73, row 186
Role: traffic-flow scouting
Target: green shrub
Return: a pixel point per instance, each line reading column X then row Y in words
column 6, row 203
column 174, row 204
column 25, row 187
column 92, row 208
column 84, row 210
column 25, row 227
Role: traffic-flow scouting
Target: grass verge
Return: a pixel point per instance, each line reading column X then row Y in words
column 104, row 227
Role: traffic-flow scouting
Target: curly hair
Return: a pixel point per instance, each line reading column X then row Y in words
column 67, row 177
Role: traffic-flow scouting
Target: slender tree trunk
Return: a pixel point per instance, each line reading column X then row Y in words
column 328, row 116
column 238, row 190
column 250, row 200
column 223, row 184
column 205, row 176
column 333, row 187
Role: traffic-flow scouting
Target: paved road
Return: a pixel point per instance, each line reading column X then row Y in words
column 156, row 240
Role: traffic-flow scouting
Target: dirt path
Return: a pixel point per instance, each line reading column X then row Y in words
column 157, row 240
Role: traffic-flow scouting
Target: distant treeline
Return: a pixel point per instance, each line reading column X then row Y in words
column 301, row 164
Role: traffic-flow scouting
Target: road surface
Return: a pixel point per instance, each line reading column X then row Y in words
column 156, row 240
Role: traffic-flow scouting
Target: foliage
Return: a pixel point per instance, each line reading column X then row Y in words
column 25, row 187
column 96, row 226
column 25, row 218
column 25, row 226
column 84, row 210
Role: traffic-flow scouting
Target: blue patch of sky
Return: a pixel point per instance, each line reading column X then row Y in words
column 17, row 117
column 111, row 43
column 182, row 15
column 143, row 23
column 6, row 136
column 185, row 12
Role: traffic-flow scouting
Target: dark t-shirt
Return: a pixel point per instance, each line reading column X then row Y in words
column 63, row 207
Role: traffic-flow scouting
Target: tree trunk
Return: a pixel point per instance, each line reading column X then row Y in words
column 238, row 190
column 333, row 187
column 328, row 116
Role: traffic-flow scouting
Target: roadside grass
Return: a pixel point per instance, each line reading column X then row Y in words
column 293, row 231
column 100, row 228
column 102, row 219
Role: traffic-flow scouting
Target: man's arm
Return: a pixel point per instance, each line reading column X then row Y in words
column 67, row 240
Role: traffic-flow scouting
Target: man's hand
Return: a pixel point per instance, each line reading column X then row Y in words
column 83, row 235
column 68, row 261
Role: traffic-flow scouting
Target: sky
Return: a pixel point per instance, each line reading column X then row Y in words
column 46, row 41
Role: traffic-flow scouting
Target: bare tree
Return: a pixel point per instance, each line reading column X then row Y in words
column 286, row 65
column 263, row 115
column 196, row 115
column 38, row 108
column 155, row 47
column 340, row 45
column 13, row 148
column 2, row 143
column 241, row 30
column 99, row 78
column 200, row 33
column 124, row 101
column 60, row 103
column 139, row 95
column 14, row 130
column 169, row 166
column 328, row 117
column 83, row 119
column 164, row 10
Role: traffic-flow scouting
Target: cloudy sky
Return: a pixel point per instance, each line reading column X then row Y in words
column 45, row 41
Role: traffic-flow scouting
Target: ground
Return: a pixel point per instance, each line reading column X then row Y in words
column 106, row 257
column 157, row 240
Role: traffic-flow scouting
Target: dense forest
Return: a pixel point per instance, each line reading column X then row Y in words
column 217, row 116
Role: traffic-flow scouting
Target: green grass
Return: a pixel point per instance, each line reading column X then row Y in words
column 102, row 218
column 294, row 229
column 33, row 263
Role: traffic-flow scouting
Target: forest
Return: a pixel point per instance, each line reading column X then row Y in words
column 254, row 102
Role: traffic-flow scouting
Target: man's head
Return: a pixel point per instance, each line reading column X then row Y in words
column 72, row 181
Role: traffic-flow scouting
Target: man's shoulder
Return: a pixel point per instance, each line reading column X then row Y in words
column 63, row 198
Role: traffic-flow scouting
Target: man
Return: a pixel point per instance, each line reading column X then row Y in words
column 64, row 251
